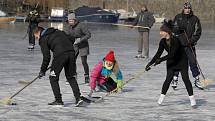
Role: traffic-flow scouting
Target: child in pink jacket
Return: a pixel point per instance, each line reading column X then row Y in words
column 101, row 74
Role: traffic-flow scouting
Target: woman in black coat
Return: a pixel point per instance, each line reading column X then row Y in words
column 176, row 61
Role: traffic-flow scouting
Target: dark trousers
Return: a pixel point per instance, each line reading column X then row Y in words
column 185, row 78
column 83, row 60
column 66, row 61
column 85, row 64
column 109, row 85
column 191, row 55
column 31, row 37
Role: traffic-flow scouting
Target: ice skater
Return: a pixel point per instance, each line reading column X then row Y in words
column 33, row 19
column 80, row 32
column 187, row 28
column 63, row 57
column 101, row 74
column 144, row 19
column 176, row 61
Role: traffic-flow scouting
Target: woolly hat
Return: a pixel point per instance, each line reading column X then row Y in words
column 71, row 16
column 167, row 26
column 187, row 5
column 110, row 56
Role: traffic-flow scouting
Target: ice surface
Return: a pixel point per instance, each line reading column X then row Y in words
column 136, row 103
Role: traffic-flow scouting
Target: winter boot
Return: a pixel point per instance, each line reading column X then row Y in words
column 78, row 102
column 161, row 98
column 174, row 83
column 192, row 101
column 31, row 47
column 87, row 78
column 139, row 56
column 57, row 103
column 198, row 83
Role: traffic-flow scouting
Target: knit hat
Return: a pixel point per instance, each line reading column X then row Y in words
column 110, row 56
column 71, row 16
column 187, row 5
column 167, row 26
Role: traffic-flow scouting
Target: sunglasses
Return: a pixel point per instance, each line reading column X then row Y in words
column 187, row 8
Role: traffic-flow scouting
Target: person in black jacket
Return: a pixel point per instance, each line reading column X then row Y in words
column 146, row 20
column 187, row 28
column 63, row 57
column 176, row 61
column 33, row 19
column 80, row 32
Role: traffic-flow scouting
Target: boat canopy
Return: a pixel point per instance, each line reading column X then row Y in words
column 85, row 10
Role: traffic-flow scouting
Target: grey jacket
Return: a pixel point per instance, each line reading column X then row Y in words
column 145, row 19
column 80, row 31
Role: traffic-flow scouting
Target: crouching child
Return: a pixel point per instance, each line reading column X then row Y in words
column 101, row 74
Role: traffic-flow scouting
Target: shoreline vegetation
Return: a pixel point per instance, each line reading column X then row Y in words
column 204, row 9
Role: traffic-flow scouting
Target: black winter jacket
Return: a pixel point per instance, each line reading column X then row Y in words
column 190, row 24
column 56, row 41
column 176, row 57
column 145, row 19
column 35, row 19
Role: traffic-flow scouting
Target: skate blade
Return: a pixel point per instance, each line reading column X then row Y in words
column 206, row 82
column 23, row 82
column 56, row 106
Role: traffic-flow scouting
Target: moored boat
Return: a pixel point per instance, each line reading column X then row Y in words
column 95, row 14
column 6, row 19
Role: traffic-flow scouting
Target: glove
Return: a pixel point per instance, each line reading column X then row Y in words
column 41, row 74
column 75, row 46
column 158, row 61
column 119, row 84
column 147, row 68
column 191, row 43
column 91, row 92
column 77, row 41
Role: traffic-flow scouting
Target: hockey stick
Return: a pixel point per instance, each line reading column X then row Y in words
column 137, row 75
column 205, row 82
column 8, row 100
column 125, row 25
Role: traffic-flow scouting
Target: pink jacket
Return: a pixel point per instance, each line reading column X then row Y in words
column 96, row 75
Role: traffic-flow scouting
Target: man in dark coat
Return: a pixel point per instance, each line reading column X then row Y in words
column 63, row 57
column 33, row 18
column 146, row 20
column 80, row 32
column 187, row 28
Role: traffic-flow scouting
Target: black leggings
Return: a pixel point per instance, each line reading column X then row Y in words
column 85, row 64
column 185, row 78
column 109, row 85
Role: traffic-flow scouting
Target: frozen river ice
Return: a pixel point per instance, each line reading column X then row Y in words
column 138, row 100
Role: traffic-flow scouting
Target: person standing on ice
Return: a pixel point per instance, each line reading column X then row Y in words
column 176, row 61
column 80, row 32
column 101, row 74
column 187, row 28
column 144, row 19
column 63, row 57
column 33, row 19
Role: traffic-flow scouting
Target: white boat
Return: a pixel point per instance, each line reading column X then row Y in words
column 159, row 18
column 124, row 15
